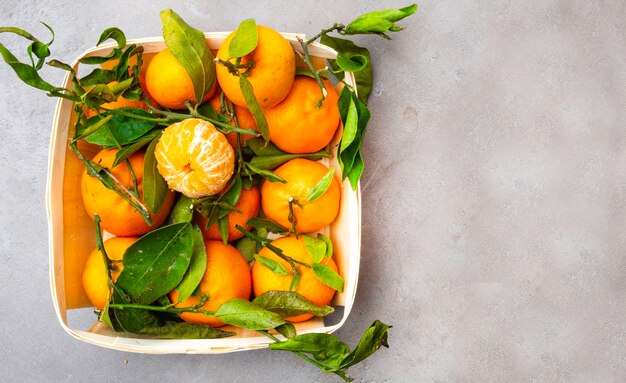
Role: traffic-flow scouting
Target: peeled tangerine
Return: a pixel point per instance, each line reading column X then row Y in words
column 194, row 158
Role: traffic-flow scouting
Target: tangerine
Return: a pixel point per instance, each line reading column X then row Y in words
column 273, row 72
column 95, row 280
column 302, row 123
column 310, row 287
column 301, row 176
column 247, row 206
column 169, row 84
column 227, row 276
column 244, row 119
column 118, row 216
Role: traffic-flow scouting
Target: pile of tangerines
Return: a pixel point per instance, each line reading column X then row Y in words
column 196, row 160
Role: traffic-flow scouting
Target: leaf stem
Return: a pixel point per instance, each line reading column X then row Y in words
column 134, row 178
column 307, row 57
column 308, row 359
column 234, row 68
column 266, row 243
column 100, row 245
column 172, row 117
column 117, row 186
column 292, row 217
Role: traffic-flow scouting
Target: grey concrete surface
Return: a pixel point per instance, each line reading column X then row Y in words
column 494, row 200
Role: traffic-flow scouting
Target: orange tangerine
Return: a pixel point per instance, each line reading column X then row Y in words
column 273, row 72
column 227, row 276
column 118, row 216
column 244, row 119
column 310, row 287
column 247, row 206
column 168, row 82
column 301, row 123
column 95, row 281
column 301, row 176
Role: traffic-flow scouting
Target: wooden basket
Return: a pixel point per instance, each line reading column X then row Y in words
column 72, row 237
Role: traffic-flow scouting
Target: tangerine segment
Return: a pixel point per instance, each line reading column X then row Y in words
column 301, row 176
column 227, row 276
column 118, row 216
column 95, row 281
column 247, row 206
column 194, row 158
column 273, row 72
column 168, row 83
column 264, row 279
column 302, row 123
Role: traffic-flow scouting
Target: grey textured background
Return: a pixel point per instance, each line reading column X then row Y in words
column 494, row 200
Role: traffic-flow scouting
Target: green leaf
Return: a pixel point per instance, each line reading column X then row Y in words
column 222, row 225
column 19, row 32
column 356, row 171
column 156, row 263
column 374, row 337
column 242, row 313
column 182, row 210
column 115, row 34
column 271, row 264
column 25, row 72
column 105, row 315
column 186, row 331
column 106, row 178
column 128, row 150
column 351, row 62
column 289, row 304
column 245, row 40
column 321, row 186
column 96, row 60
column 347, row 48
column 61, row 65
column 247, row 247
column 351, row 126
column 325, row 348
column 154, row 186
column 315, row 247
column 352, row 152
column 98, row 95
column 91, row 126
column 329, row 245
column 305, row 72
column 121, row 68
column 231, row 196
column 122, row 129
column 254, row 107
column 379, row 22
column 355, row 117
column 288, row 330
column 295, row 282
column 267, row 174
column 196, row 269
column 260, row 148
column 207, row 110
column 328, row 276
column 272, row 162
column 98, row 76
column 189, row 47
column 129, row 319
column 270, row 225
